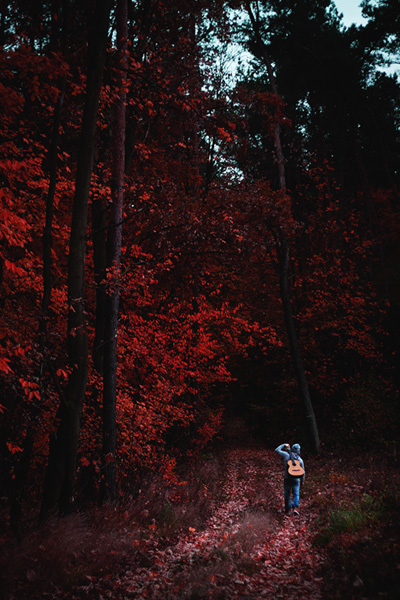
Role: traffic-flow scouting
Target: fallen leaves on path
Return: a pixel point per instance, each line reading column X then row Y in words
column 246, row 549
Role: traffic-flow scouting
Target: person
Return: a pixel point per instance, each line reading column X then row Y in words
column 291, row 485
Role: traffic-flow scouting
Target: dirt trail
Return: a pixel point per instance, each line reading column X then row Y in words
column 247, row 549
column 238, row 544
column 221, row 534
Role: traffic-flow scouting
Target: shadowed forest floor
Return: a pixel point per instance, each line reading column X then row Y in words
column 222, row 535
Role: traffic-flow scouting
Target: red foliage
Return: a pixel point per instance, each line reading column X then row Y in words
column 199, row 284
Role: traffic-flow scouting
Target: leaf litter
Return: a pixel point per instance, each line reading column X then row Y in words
column 246, row 549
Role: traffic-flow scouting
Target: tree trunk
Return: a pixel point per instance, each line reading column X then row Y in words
column 60, row 476
column 18, row 483
column 48, row 228
column 21, row 472
column 311, row 422
column 99, row 224
column 52, row 166
column 283, row 252
column 114, row 240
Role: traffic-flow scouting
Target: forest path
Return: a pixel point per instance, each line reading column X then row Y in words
column 247, row 549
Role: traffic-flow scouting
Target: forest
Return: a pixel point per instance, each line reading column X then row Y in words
column 199, row 260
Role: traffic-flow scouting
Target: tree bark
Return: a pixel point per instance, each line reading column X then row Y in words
column 60, row 476
column 48, row 228
column 99, row 225
column 18, row 483
column 114, row 241
column 311, row 422
column 283, row 253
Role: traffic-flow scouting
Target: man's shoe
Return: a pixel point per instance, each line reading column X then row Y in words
column 295, row 511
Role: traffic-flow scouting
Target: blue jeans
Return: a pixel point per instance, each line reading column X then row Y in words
column 292, row 486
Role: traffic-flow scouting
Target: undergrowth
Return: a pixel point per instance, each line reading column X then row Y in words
column 357, row 525
column 352, row 504
column 66, row 552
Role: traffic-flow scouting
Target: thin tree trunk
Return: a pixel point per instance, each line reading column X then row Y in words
column 283, row 252
column 114, row 241
column 295, row 351
column 194, row 86
column 99, row 224
column 52, row 164
column 18, row 483
column 48, row 228
column 60, row 476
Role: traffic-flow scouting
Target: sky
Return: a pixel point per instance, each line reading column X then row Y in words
column 352, row 14
column 350, row 10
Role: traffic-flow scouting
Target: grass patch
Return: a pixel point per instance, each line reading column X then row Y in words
column 357, row 525
column 357, row 516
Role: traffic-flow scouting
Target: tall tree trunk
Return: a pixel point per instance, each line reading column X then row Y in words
column 18, row 483
column 22, row 470
column 60, row 476
column 48, row 228
column 194, row 86
column 114, row 241
column 311, row 422
column 99, row 225
column 52, row 165
column 283, row 252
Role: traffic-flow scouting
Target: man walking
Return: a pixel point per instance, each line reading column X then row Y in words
column 291, row 483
